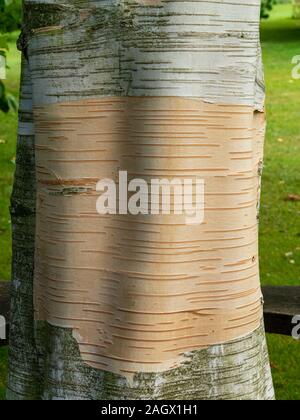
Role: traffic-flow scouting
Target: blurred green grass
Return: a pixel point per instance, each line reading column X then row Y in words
column 8, row 133
column 280, row 227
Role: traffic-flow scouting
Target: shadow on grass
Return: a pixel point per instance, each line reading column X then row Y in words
column 286, row 30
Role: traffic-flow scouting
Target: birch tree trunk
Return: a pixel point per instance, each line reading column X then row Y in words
column 146, row 306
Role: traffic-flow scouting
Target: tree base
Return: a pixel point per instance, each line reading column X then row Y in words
column 238, row 370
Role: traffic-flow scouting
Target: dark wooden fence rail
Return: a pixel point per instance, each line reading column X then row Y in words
column 281, row 305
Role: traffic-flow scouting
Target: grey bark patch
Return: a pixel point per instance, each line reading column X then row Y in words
column 237, row 370
column 69, row 191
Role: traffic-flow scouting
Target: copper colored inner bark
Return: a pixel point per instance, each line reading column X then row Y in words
column 140, row 291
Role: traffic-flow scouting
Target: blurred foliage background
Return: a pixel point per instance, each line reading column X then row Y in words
column 10, row 21
column 280, row 213
column 10, row 15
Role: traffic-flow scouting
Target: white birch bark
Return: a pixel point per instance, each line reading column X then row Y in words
column 90, row 50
